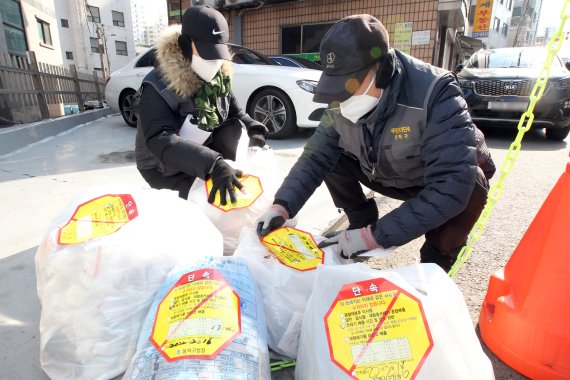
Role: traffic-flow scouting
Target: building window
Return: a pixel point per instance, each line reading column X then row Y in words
column 64, row 23
column 502, row 1
column 93, row 14
column 118, row 18
column 13, row 26
column 44, row 32
column 69, row 55
column 505, row 29
column 510, row 6
column 517, row 11
column 94, row 44
column 121, row 47
column 496, row 24
column 302, row 38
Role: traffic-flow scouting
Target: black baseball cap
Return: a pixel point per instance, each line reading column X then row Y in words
column 209, row 31
column 348, row 50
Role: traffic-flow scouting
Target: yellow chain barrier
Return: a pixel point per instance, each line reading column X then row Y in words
column 524, row 125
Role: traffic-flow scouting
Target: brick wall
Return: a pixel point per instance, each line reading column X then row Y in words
column 261, row 27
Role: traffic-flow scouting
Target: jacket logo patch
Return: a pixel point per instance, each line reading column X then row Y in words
column 401, row 133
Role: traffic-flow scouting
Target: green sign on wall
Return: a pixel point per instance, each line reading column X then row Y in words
column 309, row 56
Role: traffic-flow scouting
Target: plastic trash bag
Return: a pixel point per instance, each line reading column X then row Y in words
column 285, row 287
column 410, row 322
column 260, row 181
column 182, row 337
column 99, row 267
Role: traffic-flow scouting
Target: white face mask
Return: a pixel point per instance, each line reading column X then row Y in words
column 357, row 106
column 206, row 69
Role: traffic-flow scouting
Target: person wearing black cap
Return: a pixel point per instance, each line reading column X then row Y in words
column 400, row 127
column 189, row 121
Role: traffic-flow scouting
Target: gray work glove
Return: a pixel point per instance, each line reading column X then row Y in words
column 351, row 243
column 224, row 179
column 257, row 140
column 274, row 218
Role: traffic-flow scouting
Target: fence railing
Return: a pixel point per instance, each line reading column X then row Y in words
column 27, row 84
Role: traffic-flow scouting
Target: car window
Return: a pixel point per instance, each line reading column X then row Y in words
column 507, row 58
column 147, row 60
column 284, row 62
column 309, row 64
column 246, row 56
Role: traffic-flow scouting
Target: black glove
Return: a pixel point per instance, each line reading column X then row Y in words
column 224, row 178
column 257, row 140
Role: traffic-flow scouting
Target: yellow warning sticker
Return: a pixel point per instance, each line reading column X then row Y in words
column 376, row 330
column 294, row 248
column 198, row 317
column 252, row 189
column 98, row 217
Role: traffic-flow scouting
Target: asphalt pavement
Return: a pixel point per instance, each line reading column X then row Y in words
column 37, row 182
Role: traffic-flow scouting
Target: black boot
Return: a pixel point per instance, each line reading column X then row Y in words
column 363, row 215
column 428, row 254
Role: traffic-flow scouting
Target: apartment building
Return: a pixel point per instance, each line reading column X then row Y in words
column 524, row 22
column 149, row 19
column 30, row 25
column 95, row 34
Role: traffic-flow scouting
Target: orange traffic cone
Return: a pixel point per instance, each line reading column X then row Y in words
column 525, row 317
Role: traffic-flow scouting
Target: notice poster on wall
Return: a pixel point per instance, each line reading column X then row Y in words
column 403, row 37
column 421, row 37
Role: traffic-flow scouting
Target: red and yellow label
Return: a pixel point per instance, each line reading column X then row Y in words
column 376, row 330
column 294, row 248
column 198, row 317
column 98, row 217
column 252, row 189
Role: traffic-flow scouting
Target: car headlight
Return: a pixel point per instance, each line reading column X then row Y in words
column 465, row 83
column 562, row 83
column 307, row 85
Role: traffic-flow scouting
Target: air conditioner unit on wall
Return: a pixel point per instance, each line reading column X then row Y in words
column 238, row 3
column 212, row 3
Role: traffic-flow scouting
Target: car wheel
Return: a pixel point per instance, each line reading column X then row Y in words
column 126, row 107
column 557, row 134
column 273, row 109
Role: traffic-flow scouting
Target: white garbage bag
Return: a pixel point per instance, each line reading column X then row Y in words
column 260, row 182
column 206, row 322
column 410, row 322
column 285, row 284
column 99, row 267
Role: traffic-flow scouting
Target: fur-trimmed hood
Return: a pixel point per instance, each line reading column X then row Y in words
column 175, row 69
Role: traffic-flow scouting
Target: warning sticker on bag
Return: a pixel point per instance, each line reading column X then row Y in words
column 376, row 330
column 98, row 217
column 198, row 317
column 294, row 248
column 252, row 189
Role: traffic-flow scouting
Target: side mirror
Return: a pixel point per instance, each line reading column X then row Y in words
column 459, row 67
column 567, row 64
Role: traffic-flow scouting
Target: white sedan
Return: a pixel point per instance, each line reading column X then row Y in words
column 279, row 97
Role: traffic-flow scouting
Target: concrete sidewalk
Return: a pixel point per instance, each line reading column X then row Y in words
column 19, row 136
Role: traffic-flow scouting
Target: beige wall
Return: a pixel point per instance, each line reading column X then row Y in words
column 46, row 12
column 261, row 27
